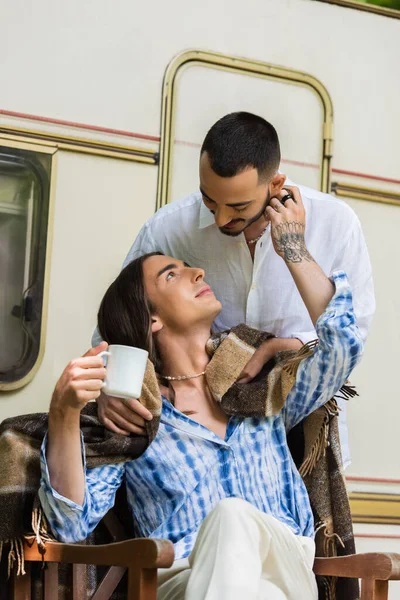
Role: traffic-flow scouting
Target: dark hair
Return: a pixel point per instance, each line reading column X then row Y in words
column 241, row 140
column 124, row 315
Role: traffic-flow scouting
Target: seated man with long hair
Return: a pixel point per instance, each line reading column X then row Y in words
column 222, row 487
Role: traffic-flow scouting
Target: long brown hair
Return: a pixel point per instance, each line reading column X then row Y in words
column 124, row 315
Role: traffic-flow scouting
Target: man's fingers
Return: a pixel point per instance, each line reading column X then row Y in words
column 276, row 204
column 128, row 416
column 99, row 373
column 118, row 407
column 293, row 190
column 122, row 423
column 273, row 216
column 86, row 395
column 290, row 204
column 88, row 384
column 249, row 372
column 87, row 362
column 125, row 413
column 244, row 379
column 138, row 408
column 112, row 427
column 97, row 349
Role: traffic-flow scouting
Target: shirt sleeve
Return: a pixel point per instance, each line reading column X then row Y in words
column 70, row 522
column 340, row 347
column 143, row 244
column 355, row 261
column 305, row 336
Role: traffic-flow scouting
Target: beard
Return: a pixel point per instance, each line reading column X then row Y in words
column 247, row 222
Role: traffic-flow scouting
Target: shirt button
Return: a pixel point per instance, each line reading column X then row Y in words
column 253, row 287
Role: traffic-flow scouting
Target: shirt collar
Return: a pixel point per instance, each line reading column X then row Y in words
column 174, row 418
column 206, row 218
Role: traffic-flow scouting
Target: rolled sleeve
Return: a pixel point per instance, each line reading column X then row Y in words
column 340, row 347
column 69, row 521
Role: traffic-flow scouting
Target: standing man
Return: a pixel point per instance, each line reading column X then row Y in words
column 223, row 228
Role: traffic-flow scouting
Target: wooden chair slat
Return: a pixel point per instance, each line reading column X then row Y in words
column 142, row 585
column 78, row 582
column 114, row 527
column 51, row 582
column 21, row 585
column 371, row 589
column 109, row 582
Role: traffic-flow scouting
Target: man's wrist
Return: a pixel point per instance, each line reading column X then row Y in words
column 63, row 414
column 287, row 344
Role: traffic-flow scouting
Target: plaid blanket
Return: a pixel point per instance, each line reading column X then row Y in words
column 315, row 444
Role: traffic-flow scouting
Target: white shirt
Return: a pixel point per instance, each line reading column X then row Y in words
column 262, row 293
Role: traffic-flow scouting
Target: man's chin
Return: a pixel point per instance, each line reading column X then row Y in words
column 232, row 232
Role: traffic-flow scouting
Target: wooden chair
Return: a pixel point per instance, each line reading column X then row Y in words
column 142, row 557
column 375, row 569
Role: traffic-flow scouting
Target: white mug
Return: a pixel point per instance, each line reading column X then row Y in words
column 125, row 366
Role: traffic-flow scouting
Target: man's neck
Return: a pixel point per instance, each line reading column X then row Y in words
column 255, row 229
column 184, row 353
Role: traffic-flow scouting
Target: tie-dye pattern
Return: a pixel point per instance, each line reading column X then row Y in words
column 187, row 469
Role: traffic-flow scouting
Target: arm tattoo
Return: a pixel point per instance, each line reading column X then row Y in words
column 289, row 240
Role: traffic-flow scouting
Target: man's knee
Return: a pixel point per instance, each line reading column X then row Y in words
column 232, row 506
column 239, row 509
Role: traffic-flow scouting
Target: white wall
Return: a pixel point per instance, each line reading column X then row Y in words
column 374, row 417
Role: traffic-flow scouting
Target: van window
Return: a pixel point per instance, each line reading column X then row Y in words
column 24, row 215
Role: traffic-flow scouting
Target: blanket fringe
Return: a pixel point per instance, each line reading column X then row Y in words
column 317, row 451
column 16, row 558
column 329, row 587
column 305, row 351
column 16, row 555
column 330, row 543
column 320, row 445
column 330, row 540
column 332, row 588
column 330, row 550
column 346, row 392
column 332, row 407
column 39, row 527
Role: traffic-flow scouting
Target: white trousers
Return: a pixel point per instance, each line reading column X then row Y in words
column 242, row 554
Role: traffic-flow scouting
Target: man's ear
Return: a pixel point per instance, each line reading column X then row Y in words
column 156, row 324
column 277, row 183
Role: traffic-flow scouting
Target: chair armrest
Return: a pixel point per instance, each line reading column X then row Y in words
column 146, row 553
column 372, row 565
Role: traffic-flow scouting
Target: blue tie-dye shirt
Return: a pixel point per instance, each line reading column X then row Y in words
column 188, row 469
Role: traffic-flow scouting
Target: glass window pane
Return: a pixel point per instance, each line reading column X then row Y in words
column 24, row 203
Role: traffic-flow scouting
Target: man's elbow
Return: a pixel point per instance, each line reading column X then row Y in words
column 355, row 349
